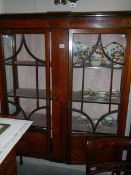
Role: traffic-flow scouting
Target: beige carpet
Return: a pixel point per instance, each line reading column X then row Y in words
column 33, row 166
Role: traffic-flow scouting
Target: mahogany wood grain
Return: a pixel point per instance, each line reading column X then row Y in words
column 33, row 144
column 59, row 94
column 78, row 149
column 106, row 155
column 8, row 166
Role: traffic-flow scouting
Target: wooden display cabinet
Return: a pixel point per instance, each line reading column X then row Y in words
column 70, row 74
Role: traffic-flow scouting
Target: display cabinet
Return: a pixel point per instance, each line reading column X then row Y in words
column 70, row 74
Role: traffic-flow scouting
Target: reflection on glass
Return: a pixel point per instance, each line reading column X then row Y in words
column 8, row 52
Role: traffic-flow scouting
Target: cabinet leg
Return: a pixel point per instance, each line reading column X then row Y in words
column 21, row 160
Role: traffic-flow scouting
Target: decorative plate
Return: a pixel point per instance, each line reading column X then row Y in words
column 80, row 52
column 115, row 52
column 81, row 119
column 97, row 56
column 108, row 121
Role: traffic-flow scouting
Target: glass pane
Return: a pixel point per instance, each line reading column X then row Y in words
column 97, row 61
column 24, row 58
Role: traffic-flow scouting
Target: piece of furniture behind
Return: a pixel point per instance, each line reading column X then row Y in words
column 107, row 155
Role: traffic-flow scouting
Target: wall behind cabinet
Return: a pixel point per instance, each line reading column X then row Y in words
column 24, row 6
column 2, row 8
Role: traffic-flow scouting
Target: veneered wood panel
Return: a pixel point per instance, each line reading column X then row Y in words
column 8, row 166
column 59, row 94
column 100, row 22
column 33, row 144
column 25, row 24
column 78, row 149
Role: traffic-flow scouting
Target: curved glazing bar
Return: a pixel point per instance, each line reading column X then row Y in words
column 113, row 52
column 107, row 120
column 116, row 55
column 35, row 110
column 84, row 118
column 15, row 51
column 94, row 126
column 88, row 57
column 9, row 42
column 30, row 53
column 18, row 109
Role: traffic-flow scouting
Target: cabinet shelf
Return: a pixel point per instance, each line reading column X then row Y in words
column 88, row 65
column 79, row 125
column 39, row 120
column 25, row 63
column 28, row 93
column 77, row 97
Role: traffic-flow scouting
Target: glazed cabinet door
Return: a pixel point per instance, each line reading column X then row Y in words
column 99, row 71
column 26, row 86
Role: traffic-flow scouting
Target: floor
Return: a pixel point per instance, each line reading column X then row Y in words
column 33, row 166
